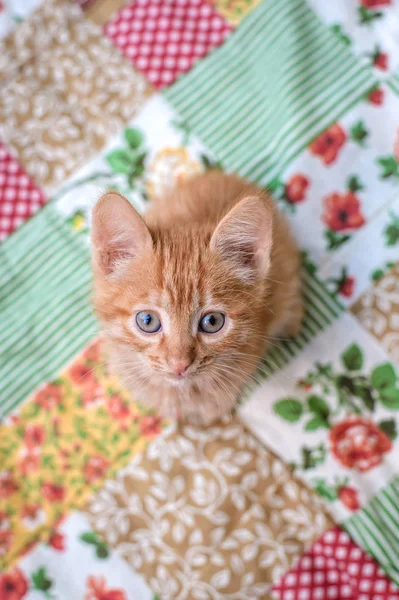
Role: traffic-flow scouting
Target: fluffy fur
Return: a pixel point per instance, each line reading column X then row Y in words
column 215, row 243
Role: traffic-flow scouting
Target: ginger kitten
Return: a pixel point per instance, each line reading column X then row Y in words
column 189, row 297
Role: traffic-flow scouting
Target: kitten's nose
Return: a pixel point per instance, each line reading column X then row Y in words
column 179, row 365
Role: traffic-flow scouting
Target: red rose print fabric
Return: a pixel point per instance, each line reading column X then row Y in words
column 20, row 198
column 75, row 564
column 367, row 26
column 331, row 412
column 335, row 568
column 357, row 443
column 165, row 39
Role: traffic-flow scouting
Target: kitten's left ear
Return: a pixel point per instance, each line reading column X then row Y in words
column 244, row 237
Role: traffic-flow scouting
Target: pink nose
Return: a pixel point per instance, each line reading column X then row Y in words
column 179, row 365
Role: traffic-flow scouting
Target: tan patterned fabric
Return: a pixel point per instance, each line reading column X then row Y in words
column 65, row 91
column 100, row 11
column 208, row 513
column 378, row 311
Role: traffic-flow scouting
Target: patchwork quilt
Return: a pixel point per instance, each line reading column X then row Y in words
column 295, row 497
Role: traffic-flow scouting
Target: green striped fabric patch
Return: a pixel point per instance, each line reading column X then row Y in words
column 45, row 280
column 278, row 81
column 321, row 310
column 376, row 528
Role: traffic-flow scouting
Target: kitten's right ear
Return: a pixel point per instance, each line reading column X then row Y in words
column 118, row 233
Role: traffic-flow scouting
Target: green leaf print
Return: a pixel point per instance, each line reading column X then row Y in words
column 307, row 263
column 389, row 397
column 389, row 427
column 334, row 239
column 319, row 407
column 41, row 581
column 289, row 409
column 120, row 161
column 90, row 537
column 377, row 274
column 365, row 393
column 359, row 133
column 102, row 551
column 326, row 490
column 392, row 230
column 390, row 167
column 383, row 377
column 133, row 137
column 316, row 423
column 368, row 16
column 354, row 184
column 311, row 457
column 338, row 31
column 352, row 358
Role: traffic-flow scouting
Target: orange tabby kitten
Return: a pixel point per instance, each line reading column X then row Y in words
column 189, row 297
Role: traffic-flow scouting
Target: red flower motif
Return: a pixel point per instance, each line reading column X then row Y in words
column 150, row 425
column 49, row 397
column 29, row 463
column 376, row 96
column 304, row 384
column 349, row 498
column 81, row 374
column 13, row 585
column 6, row 538
column 4, row 520
column 380, row 61
column 2, row 7
column 342, row 211
column 8, row 485
column 347, row 287
column 359, row 444
column 296, row 187
column 93, row 392
column 95, row 468
column 329, row 143
column 57, row 541
column 53, row 492
column 97, row 590
column 119, row 410
column 375, row 3
column 30, row 511
column 34, row 436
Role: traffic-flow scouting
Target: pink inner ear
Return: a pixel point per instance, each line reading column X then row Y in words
column 111, row 257
column 118, row 232
column 244, row 237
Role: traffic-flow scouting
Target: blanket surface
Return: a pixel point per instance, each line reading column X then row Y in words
column 295, row 497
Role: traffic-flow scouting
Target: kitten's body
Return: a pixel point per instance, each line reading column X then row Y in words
column 246, row 268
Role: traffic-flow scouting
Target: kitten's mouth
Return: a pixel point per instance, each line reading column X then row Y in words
column 178, row 379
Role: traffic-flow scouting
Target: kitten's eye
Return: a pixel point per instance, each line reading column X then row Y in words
column 148, row 321
column 212, row 322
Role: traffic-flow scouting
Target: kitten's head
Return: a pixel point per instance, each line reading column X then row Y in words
column 182, row 308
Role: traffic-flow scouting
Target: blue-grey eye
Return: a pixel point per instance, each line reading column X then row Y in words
column 212, row 322
column 148, row 321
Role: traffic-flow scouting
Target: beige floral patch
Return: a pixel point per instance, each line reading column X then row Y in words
column 66, row 89
column 208, row 513
column 378, row 311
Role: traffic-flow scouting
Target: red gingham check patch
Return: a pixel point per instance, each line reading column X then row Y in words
column 19, row 196
column 164, row 39
column 335, row 568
